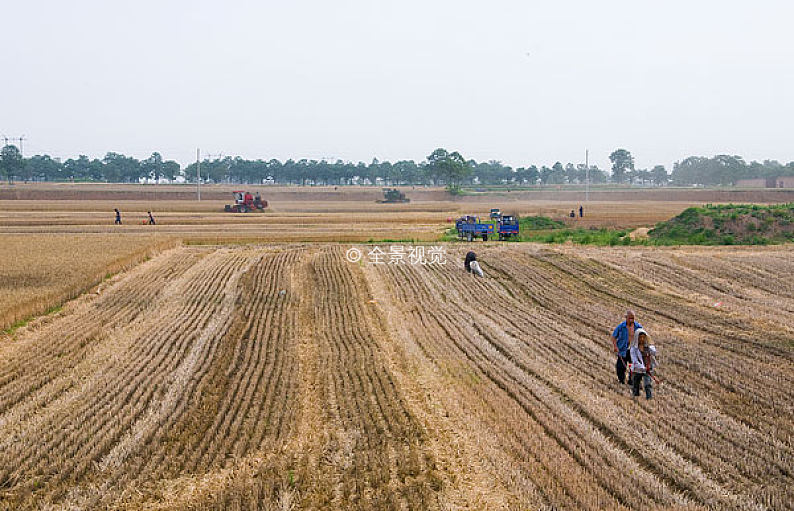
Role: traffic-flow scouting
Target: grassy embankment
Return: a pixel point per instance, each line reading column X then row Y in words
column 728, row 224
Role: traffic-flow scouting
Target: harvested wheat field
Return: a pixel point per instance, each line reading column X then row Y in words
column 346, row 214
column 286, row 377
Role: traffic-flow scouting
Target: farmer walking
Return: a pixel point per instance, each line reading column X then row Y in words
column 118, row 216
column 621, row 337
column 151, row 218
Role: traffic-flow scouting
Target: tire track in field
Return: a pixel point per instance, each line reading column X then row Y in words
column 466, row 454
column 374, row 453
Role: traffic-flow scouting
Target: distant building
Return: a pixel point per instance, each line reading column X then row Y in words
column 785, row 182
column 751, row 183
column 769, row 182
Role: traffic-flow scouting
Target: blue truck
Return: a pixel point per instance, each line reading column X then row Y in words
column 508, row 227
column 470, row 227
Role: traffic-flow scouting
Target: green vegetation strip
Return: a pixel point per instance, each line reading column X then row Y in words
column 23, row 322
column 728, row 224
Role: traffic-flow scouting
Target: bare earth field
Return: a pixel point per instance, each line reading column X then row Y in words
column 266, row 371
column 283, row 376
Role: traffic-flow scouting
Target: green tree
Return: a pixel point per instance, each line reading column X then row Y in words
column 545, row 174
column 153, row 166
column 659, row 175
column 597, row 175
column 529, row 175
column 118, row 167
column 451, row 167
column 622, row 161
column 434, row 165
column 571, row 174
column 42, row 167
column 720, row 170
column 79, row 169
column 557, row 174
column 11, row 162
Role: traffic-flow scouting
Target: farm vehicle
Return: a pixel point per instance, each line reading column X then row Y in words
column 245, row 202
column 470, row 227
column 508, row 227
column 392, row 195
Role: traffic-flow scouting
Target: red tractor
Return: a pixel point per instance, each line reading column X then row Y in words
column 244, row 202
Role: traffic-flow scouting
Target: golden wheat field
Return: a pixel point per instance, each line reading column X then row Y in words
column 283, row 376
column 40, row 271
column 233, row 361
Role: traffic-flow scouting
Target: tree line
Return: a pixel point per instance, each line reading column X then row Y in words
column 441, row 167
column 726, row 170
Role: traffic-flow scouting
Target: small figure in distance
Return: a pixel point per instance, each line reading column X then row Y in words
column 581, row 211
column 572, row 214
column 151, row 218
column 118, row 216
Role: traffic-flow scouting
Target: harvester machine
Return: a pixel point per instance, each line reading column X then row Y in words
column 245, row 202
column 392, row 195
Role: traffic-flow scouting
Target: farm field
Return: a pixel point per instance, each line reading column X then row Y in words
column 38, row 272
column 282, row 376
column 346, row 214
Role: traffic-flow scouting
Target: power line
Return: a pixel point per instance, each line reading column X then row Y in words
column 587, row 171
column 12, row 139
column 198, row 173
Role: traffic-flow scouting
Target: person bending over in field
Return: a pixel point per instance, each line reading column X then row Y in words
column 641, row 364
column 118, row 216
column 151, row 218
column 471, row 264
column 620, row 344
column 470, row 256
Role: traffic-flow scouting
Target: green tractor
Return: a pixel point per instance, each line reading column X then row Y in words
column 392, row 195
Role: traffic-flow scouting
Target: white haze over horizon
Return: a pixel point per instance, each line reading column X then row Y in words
column 523, row 82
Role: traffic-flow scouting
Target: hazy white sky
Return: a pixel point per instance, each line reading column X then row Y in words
column 518, row 81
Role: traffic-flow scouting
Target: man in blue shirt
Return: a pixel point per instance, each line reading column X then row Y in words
column 621, row 339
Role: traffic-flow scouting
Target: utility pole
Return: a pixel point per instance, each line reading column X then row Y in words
column 198, row 173
column 12, row 139
column 587, row 173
